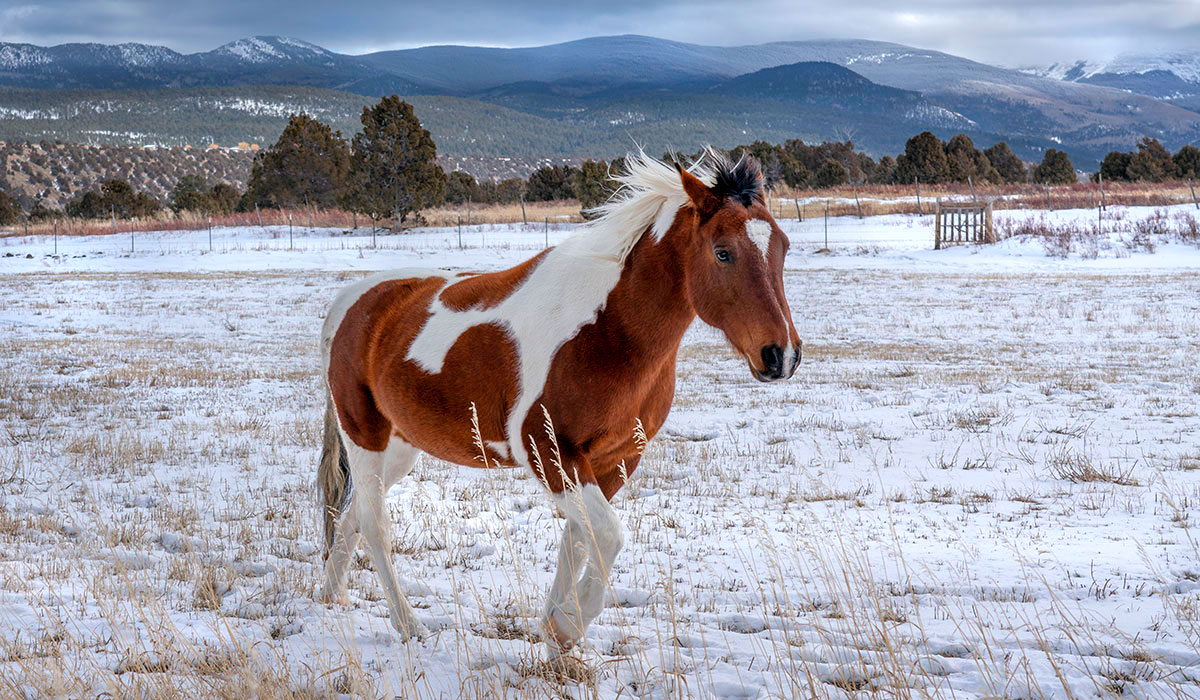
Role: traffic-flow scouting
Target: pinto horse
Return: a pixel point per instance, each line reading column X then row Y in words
column 581, row 337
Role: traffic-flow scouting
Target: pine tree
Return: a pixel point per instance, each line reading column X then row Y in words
column 10, row 212
column 591, row 185
column 1115, row 166
column 1151, row 163
column 394, row 170
column 1055, row 169
column 1187, row 161
column 550, row 182
column 885, row 172
column 461, row 187
column 1008, row 166
column 307, row 166
column 223, row 198
column 923, row 160
column 190, row 194
column 832, row 174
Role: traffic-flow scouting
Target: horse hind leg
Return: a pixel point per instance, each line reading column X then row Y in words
column 340, row 516
column 345, row 542
column 373, row 473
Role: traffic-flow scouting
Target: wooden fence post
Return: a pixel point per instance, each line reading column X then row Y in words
column 937, row 225
column 918, row 186
column 524, row 221
column 1046, row 188
column 970, row 182
column 799, row 217
column 857, row 203
column 1103, row 199
column 827, row 224
column 990, row 232
column 1193, row 193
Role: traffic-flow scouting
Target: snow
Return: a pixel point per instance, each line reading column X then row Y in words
column 1183, row 64
column 18, row 56
column 910, row 515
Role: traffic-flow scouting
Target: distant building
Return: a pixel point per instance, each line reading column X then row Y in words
column 243, row 146
column 254, row 146
column 213, row 146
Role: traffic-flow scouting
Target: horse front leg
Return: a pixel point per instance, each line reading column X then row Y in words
column 593, row 534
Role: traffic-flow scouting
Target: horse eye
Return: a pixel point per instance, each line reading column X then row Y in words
column 724, row 256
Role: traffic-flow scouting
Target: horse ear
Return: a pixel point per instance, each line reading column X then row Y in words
column 700, row 194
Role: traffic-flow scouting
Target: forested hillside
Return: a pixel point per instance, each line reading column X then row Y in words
column 56, row 172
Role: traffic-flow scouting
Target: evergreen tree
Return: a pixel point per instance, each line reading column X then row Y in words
column 89, row 205
column 1151, row 163
column 885, row 172
column 394, row 164
column 190, row 194
column 1055, row 169
column 965, row 161
column 592, row 185
column 307, row 166
column 120, row 200
column 923, row 160
column 510, row 190
column 223, row 198
column 1187, row 161
column 795, row 173
column 832, row 174
column 10, row 212
column 1008, row 166
column 1115, row 166
column 461, row 187
column 550, row 182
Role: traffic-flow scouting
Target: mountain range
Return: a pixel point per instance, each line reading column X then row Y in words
column 594, row 97
column 1171, row 76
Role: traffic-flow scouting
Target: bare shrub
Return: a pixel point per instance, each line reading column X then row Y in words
column 1080, row 469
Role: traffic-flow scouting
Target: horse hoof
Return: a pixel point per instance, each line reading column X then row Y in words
column 329, row 597
column 413, row 631
column 556, row 636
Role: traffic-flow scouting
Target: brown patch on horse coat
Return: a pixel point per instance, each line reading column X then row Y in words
column 379, row 393
column 484, row 291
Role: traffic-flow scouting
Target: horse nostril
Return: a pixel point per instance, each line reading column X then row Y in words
column 772, row 357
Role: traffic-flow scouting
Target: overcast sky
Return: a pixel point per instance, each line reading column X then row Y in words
column 1016, row 32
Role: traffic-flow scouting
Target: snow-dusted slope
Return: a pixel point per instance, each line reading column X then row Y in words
column 1173, row 76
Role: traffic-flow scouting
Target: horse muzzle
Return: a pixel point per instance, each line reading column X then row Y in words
column 777, row 364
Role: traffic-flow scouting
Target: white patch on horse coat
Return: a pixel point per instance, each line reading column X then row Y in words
column 760, row 234
column 500, row 448
column 352, row 293
column 562, row 294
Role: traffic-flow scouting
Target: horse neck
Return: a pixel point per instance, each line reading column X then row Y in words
column 650, row 301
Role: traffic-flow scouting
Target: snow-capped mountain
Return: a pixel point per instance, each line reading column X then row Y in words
column 259, row 60
column 602, row 80
column 271, row 49
column 1172, row 76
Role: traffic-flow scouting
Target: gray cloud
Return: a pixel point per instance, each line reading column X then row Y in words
column 1009, row 33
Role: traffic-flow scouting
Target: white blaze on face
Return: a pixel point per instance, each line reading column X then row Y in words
column 759, row 232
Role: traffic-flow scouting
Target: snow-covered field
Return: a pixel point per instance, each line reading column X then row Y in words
column 980, row 484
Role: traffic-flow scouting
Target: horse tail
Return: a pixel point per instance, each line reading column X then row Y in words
column 333, row 474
